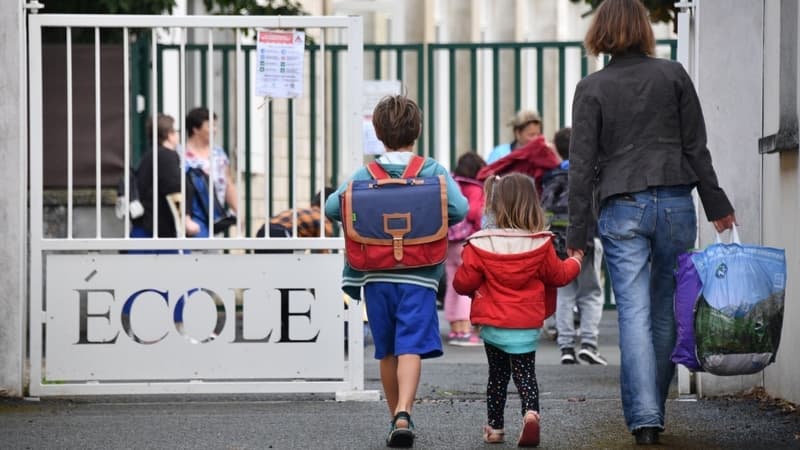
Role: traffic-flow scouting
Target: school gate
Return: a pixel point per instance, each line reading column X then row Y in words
column 211, row 318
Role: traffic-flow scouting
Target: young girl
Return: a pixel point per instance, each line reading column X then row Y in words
column 511, row 272
column 456, row 307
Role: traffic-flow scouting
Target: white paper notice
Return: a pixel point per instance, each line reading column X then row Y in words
column 372, row 145
column 279, row 72
column 374, row 91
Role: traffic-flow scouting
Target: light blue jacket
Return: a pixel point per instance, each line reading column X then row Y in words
column 457, row 206
column 498, row 152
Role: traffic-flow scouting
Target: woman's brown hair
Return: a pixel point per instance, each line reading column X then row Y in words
column 512, row 202
column 397, row 121
column 165, row 124
column 619, row 26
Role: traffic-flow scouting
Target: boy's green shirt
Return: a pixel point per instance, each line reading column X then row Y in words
column 457, row 206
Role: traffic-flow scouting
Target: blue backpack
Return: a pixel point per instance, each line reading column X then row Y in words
column 395, row 223
column 555, row 202
column 199, row 206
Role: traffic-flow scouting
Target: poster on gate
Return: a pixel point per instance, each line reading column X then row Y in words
column 279, row 65
column 374, row 91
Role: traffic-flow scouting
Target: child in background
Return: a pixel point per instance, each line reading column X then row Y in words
column 585, row 291
column 511, row 272
column 401, row 303
column 456, row 307
column 309, row 219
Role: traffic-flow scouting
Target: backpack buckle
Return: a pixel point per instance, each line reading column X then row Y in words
column 397, row 225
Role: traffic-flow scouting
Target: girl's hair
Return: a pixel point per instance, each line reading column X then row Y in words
column 397, row 121
column 468, row 165
column 619, row 26
column 512, row 201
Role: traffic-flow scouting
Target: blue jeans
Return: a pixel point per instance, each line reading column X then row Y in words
column 642, row 235
column 139, row 232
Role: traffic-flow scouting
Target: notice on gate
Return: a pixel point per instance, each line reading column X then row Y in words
column 194, row 317
column 279, row 66
column 374, row 91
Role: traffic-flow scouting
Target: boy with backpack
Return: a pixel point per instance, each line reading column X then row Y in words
column 585, row 291
column 401, row 302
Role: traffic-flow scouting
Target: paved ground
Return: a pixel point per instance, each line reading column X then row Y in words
column 580, row 409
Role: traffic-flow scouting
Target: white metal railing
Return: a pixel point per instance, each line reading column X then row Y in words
column 68, row 22
column 84, row 277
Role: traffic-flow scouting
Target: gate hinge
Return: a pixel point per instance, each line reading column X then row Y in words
column 33, row 6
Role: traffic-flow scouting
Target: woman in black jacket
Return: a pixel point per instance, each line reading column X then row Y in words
column 168, row 182
column 638, row 149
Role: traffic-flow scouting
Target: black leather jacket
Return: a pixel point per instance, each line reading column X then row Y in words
column 637, row 124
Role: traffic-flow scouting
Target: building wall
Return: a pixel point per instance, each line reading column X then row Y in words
column 12, row 207
column 740, row 106
column 733, row 123
column 781, row 210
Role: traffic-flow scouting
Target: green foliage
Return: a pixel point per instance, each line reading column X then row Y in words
column 660, row 10
column 225, row 7
column 86, row 35
column 109, row 6
column 255, row 8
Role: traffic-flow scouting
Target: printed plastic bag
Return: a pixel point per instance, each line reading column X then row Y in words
column 687, row 290
column 739, row 313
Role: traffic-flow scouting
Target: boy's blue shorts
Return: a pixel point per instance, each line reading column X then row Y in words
column 403, row 319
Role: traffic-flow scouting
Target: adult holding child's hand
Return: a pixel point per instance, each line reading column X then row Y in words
column 639, row 142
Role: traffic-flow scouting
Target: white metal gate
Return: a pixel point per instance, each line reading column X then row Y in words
column 686, row 50
column 211, row 318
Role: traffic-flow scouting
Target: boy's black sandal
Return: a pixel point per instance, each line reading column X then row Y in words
column 401, row 437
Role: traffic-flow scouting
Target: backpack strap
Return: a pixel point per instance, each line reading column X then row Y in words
column 412, row 169
column 376, row 171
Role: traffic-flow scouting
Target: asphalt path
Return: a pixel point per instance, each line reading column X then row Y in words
column 580, row 409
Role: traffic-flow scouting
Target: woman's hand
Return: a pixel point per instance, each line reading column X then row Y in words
column 725, row 223
column 192, row 228
column 575, row 253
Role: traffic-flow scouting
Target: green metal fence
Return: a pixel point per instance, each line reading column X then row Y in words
column 407, row 62
column 416, row 66
column 506, row 62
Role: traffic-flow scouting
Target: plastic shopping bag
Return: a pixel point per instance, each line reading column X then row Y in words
column 687, row 291
column 739, row 313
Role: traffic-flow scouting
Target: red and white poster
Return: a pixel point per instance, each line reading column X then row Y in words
column 279, row 67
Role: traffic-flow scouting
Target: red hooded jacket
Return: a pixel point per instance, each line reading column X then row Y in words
column 512, row 276
column 534, row 158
